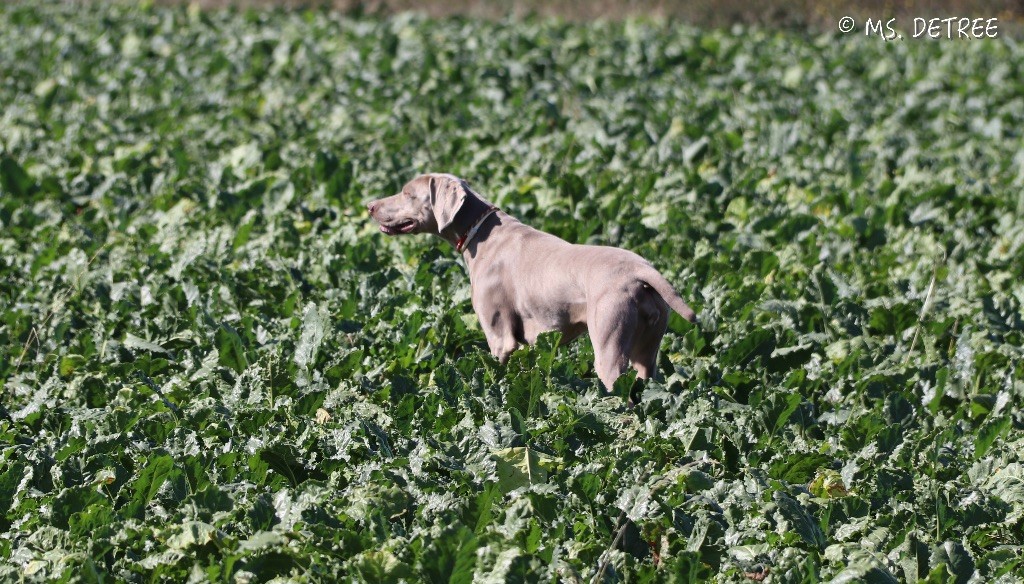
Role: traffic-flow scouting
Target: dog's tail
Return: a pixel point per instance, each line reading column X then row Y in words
column 655, row 280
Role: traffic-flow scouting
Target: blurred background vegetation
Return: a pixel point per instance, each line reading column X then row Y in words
column 817, row 15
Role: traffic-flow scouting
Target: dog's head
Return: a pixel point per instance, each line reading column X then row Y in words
column 426, row 204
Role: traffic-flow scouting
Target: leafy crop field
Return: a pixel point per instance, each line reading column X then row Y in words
column 213, row 367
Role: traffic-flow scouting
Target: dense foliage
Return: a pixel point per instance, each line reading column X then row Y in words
column 214, row 367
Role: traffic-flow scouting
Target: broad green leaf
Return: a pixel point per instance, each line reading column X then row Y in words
column 156, row 470
column 192, row 534
column 133, row 342
column 313, row 329
column 988, row 434
column 791, row 515
column 261, row 541
column 520, row 467
column 13, row 178
column 958, row 562
column 230, row 349
column 69, row 363
column 758, row 343
column 380, row 566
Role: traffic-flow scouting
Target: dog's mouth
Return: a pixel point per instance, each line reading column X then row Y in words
column 398, row 228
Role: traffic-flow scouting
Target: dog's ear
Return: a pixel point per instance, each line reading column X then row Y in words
column 446, row 198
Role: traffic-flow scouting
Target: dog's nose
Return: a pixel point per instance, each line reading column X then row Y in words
column 371, row 206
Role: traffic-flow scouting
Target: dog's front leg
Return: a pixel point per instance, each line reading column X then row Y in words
column 499, row 333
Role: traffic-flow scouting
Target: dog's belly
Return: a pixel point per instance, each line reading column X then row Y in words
column 568, row 319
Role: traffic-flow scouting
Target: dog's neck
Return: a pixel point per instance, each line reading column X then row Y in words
column 473, row 213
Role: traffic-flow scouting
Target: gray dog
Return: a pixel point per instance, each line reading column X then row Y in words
column 525, row 282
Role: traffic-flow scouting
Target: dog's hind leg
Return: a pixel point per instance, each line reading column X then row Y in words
column 612, row 323
column 652, row 322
